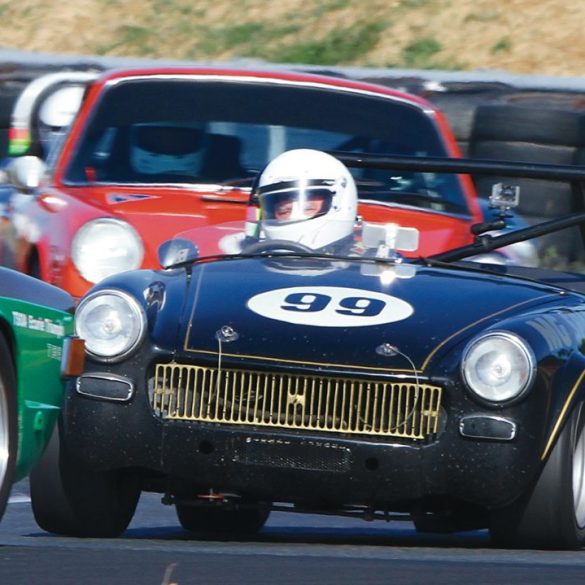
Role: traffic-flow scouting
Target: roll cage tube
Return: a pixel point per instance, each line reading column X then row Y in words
column 575, row 176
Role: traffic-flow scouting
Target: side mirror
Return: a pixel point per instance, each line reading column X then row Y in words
column 173, row 253
column 26, row 173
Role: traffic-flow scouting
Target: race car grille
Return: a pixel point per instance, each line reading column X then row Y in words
column 315, row 403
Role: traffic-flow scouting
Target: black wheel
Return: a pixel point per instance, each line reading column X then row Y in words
column 265, row 246
column 241, row 520
column 552, row 515
column 70, row 499
column 8, row 424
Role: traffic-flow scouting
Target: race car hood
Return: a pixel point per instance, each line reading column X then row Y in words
column 158, row 213
column 347, row 315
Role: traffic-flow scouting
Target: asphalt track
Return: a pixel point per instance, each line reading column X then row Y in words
column 291, row 549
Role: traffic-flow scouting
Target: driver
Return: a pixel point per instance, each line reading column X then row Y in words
column 309, row 197
column 168, row 148
column 55, row 114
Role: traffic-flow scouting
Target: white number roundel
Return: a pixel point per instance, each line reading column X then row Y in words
column 329, row 306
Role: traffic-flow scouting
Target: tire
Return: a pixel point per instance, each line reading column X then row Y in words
column 552, row 515
column 72, row 500
column 4, row 139
column 464, row 146
column 460, row 105
column 8, row 97
column 8, row 424
column 244, row 520
column 537, row 197
column 545, row 199
column 540, row 124
column 523, row 152
column 579, row 159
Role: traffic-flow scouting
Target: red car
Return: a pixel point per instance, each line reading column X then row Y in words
column 154, row 151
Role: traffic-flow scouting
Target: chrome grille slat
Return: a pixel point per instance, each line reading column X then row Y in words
column 315, row 403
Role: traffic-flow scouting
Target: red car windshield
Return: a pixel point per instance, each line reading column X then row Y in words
column 160, row 131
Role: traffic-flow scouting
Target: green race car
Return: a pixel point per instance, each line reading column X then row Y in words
column 37, row 354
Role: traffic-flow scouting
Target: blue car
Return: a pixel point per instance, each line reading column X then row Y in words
column 381, row 384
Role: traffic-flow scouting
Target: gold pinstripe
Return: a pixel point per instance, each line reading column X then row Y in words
column 561, row 416
column 187, row 349
column 446, row 340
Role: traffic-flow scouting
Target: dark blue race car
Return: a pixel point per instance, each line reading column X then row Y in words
column 242, row 378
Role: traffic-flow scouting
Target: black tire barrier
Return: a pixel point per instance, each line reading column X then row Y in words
column 532, row 123
column 3, row 143
column 546, row 199
column 537, row 198
column 579, row 158
column 8, row 96
column 523, row 152
column 464, row 147
column 460, row 106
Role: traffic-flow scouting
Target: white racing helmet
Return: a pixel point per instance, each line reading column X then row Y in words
column 57, row 112
column 307, row 196
column 59, row 108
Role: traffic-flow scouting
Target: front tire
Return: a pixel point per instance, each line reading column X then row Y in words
column 552, row 515
column 8, row 424
column 72, row 500
column 241, row 521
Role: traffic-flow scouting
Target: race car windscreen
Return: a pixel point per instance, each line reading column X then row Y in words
column 214, row 132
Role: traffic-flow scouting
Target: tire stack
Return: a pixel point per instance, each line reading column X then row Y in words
column 10, row 89
column 459, row 102
column 540, row 128
column 14, row 78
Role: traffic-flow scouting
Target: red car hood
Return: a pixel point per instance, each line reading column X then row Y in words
column 438, row 231
column 160, row 213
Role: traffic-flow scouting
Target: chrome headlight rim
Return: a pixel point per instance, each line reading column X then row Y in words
column 86, row 228
column 519, row 343
column 136, row 308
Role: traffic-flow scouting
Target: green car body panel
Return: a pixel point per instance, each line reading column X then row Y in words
column 37, row 340
column 35, row 320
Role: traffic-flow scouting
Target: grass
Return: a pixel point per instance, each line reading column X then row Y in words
column 329, row 32
column 250, row 39
column 329, row 6
column 503, row 45
column 135, row 38
column 279, row 41
column 419, row 54
column 423, row 53
column 340, row 46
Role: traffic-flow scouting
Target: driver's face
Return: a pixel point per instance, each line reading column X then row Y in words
column 311, row 207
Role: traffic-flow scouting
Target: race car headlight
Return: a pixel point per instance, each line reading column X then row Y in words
column 106, row 246
column 498, row 367
column 111, row 322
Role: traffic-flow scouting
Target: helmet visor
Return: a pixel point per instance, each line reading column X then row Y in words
column 295, row 200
